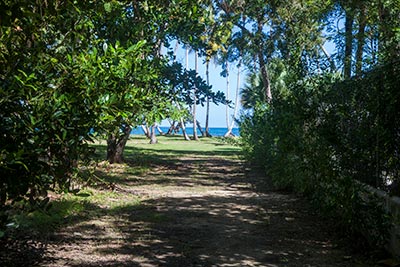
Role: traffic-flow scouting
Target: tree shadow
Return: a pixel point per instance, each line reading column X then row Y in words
column 224, row 230
column 241, row 223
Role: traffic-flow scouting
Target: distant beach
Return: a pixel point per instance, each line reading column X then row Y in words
column 214, row 131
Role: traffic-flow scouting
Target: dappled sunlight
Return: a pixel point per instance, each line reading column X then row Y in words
column 226, row 230
column 191, row 210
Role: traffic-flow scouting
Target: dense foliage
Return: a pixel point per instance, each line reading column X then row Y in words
column 327, row 136
column 70, row 69
column 331, row 126
column 318, row 122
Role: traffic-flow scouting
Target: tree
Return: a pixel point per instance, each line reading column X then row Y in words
column 206, row 131
column 51, row 103
column 236, row 107
column 215, row 38
column 252, row 92
column 73, row 68
column 168, row 21
column 178, row 105
column 195, row 136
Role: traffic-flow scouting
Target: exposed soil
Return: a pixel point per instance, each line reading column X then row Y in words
column 204, row 210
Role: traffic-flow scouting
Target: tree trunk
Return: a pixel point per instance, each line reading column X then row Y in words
column 227, row 95
column 360, row 39
column 195, row 136
column 185, row 135
column 146, row 131
column 329, row 58
column 153, row 138
column 171, row 129
column 159, row 129
column 348, row 49
column 206, row 133
column 230, row 127
column 116, row 146
column 181, row 122
column 263, row 65
column 265, row 77
column 200, row 129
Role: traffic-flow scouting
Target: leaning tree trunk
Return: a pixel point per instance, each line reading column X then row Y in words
column 171, row 129
column 230, row 127
column 116, row 145
column 146, row 131
column 185, row 135
column 200, row 129
column 160, row 131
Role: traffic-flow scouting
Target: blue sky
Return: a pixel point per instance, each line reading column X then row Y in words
column 218, row 113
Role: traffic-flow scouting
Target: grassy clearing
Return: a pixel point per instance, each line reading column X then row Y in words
column 98, row 199
column 171, row 148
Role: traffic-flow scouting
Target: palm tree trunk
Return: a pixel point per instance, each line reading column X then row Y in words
column 331, row 62
column 227, row 95
column 185, row 135
column 171, row 129
column 200, row 129
column 195, row 136
column 230, row 127
column 159, row 129
column 263, row 65
column 181, row 122
column 206, row 133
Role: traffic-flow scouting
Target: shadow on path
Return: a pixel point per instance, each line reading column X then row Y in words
column 200, row 210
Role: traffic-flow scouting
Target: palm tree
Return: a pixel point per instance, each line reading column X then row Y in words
column 195, row 136
column 181, row 121
column 227, row 93
column 230, row 126
column 206, row 132
column 253, row 91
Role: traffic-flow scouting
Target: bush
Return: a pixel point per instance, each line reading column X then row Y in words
column 325, row 136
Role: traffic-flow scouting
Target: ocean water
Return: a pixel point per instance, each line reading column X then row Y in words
column 214, row 131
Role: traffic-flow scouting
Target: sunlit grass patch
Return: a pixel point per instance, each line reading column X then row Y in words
column 107, row 186
column 68, row 208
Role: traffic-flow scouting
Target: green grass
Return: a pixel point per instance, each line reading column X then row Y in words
column 175, row 146
column 96, row 201
column 68, row 208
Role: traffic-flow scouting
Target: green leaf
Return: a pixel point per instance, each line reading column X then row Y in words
column 107, row 7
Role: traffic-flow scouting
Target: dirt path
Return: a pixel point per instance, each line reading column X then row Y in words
column 199, row 211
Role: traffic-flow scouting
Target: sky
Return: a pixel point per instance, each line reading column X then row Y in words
column 217, row 113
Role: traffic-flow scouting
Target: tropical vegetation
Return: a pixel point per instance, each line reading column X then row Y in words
column 322, row 122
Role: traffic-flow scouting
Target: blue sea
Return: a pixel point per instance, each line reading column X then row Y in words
column 214, row 131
